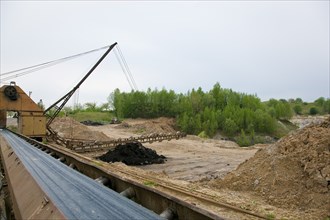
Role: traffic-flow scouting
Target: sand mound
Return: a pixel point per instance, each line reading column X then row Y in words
column 148, row 126
column 292, row 173
column 132, row 154
column 69, row 128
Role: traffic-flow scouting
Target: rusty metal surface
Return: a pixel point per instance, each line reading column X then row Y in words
column 31, row 120
column 22, row 103
column 88, row 145
column 3, row 119
column 76, row 195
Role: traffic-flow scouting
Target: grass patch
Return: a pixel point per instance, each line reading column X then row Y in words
column 12, row 128
column 283, row 127
column 203, row 135
column 104, row 117
column 270, row 216
column 149, row 183
column 97, row 163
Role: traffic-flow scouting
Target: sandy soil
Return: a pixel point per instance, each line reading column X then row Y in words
column 287, row 180
column 191, row 158
column 303, row 121
column 293, row 173
column 192, row 162
column 201, row 165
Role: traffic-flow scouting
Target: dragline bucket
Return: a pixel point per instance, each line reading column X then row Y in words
column 31, row 120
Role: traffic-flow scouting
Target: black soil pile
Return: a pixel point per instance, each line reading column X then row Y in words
column 132, row 154
column 91, row 123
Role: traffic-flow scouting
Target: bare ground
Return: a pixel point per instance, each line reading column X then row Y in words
column 202, row 165
column 191, row 158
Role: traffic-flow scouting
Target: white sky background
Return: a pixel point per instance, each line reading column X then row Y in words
column 275, row 49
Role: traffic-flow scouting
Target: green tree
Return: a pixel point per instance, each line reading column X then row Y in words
column 184, row 123
column 104, row 107
column 313, row 111
column 116, row 102
column 297, row 109
column 209, row 121
column 282, row 108
column 243, row 140
column 90, row 107
column 264, row 122
column 198, row 111
column 230, row 127
column 196, row 98
column 320, row 101
column 219, row 96
column 326, row 106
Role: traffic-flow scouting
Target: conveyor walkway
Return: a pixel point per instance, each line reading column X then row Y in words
column 75, row 195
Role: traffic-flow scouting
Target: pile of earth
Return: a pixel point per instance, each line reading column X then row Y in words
column 67, row 127
column 148, row 126
column 91, row 123
column 293, row 173
column 302, row 121
column 132, row 154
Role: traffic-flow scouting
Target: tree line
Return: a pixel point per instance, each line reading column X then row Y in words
column 198, row 111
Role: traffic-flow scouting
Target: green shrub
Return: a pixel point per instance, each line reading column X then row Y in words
column 230, row 127
column 203, row 135
column 243, row 140
column 297, row 109
column 313, row 111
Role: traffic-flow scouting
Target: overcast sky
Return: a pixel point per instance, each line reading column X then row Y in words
column 274, row 49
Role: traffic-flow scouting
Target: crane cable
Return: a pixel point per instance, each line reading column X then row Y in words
column 123, row 69
column 123, row 64
column 119, row 55
column 37, row 67
column 127, row 68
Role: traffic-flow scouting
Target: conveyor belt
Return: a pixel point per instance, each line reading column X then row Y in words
column 77, row 196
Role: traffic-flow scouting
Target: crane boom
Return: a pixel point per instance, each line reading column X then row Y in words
column 66, row 97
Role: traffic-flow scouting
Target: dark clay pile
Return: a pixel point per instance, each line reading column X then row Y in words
column 133, row 154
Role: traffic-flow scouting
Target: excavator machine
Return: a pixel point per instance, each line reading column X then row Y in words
column 35, row 122
column 31, row 119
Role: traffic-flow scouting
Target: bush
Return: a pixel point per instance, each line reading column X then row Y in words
column 203, row 135
column 297, row 109
column 326, row 107
column 243, row 140
column 313, row 111
column 230, row 127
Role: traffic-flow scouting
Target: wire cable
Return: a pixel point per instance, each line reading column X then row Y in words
column 123, row 68
column 127, row 68
column 46, row 64
column 31, row 70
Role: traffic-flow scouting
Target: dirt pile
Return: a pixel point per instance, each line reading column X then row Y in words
column 148, row 126
column 69, row 128
column 303, row 121
column 132, row 154
column 91, row 123
column 292, row 173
